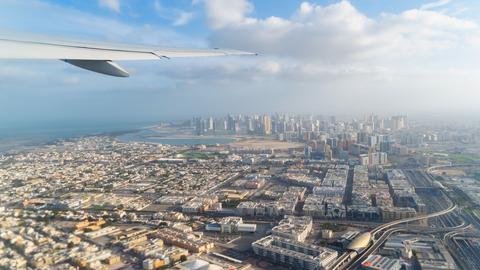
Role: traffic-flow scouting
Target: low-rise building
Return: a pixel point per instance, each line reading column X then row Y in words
column 394, row 213
column 230, row 225
column 430, row 253
column 184, row 240
column 294, row 253
column 292, row 227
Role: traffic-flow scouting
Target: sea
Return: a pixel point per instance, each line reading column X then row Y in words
column 155, row 136
column 18, row 136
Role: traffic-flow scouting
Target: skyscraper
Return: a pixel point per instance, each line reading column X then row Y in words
column 266, row 124
column 399, row 122
column 211, row 124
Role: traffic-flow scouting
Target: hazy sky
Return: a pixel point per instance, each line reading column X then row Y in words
column 334, row 57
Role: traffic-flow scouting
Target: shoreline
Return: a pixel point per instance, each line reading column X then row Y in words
column 12, row 144
column 162, row 135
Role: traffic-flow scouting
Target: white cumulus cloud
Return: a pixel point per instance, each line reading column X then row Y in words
column 221, row 13
column 337, row 33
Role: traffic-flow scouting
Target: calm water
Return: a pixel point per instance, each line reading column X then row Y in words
column 18, row 136
column 171, row 138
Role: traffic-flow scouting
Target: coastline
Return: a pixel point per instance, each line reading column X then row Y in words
column 154, row 133
column 27, row 140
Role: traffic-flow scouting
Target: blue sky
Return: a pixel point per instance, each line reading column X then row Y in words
column 147, row 12
column 331, row 57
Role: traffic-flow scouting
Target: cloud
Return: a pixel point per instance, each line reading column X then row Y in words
column 336, row 59
column 113, row 5
column 338, row 33
column 56, row 20
column 239, row 70
column 433, row 5
column 183, row 19
column 221, row 13
column 178, row 17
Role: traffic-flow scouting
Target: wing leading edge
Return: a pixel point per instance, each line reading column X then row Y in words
column 96, row 57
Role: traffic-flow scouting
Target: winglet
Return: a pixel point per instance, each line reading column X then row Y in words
column 101, row 66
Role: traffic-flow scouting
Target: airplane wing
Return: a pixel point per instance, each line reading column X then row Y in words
column 97, row 57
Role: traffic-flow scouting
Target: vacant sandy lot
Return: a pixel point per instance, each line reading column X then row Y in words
column 450, row 172
column 264, row 144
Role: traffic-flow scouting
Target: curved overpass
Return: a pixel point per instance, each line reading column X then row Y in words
column 436, row 167
column 376, row 243
column 400, row 221
column 364, row 246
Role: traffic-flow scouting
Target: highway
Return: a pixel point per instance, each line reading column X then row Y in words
column 463, row 248
column 406, row 220
column 439, row 206
column 344, row 258
column 434, row 199
column 356, row 261
column 376, row 244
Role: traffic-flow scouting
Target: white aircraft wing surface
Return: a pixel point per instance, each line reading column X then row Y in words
column 97, row 57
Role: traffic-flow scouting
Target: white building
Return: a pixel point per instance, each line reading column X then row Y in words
column 295, row 228
column 294, row 253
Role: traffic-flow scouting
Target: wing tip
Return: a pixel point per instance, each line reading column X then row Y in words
column 235, row 52
column 106, row 67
